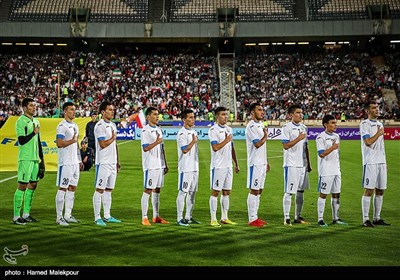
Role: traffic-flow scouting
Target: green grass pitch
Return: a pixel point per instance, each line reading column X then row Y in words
column 130, row 244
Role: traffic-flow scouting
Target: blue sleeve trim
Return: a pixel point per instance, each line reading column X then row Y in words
column 145, row 145
column 60, row 136
column 183, row 147
column 320, row 152
column 214, row 142
column 285, row 141
column 366, row 136
column 101, row 138
column 255, row 141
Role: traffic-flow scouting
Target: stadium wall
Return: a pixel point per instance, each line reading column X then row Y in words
column 199, row 31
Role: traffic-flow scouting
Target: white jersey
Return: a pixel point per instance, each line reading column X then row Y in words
column 189, row 161
column 223, row 157
column 296, row 155
column 254, row 132
column 375, row 153
column 103, row 131
column 154, row 158
column 67, row 155
column 329, row 165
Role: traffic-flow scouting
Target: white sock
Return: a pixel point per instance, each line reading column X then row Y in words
column 321, row 208
column 60, row 198
column 299, row 204
column 378, row 200
column 69, row 204
column 190, row 201
column 224, row 207
column 365, row 204
column 145, row 204
column 180, row 203
column 335, row 203
column 107, row 204
column 97, row 204
column 213, row 207
column 155, row 201
column 287, row 203
column 252, row 207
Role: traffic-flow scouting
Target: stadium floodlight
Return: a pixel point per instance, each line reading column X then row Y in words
column 34, row 44
column 290, row 43
column 395, row 41
column 330, row 43
column 303, row 43
column 263, row 44
column 250, row 44
column 7, row 44
column 48, row 44
column 61, row 44
column 20, row 44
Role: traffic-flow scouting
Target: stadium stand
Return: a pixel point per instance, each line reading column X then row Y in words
column 100, row 10
column 349, row 9
column 248, row 10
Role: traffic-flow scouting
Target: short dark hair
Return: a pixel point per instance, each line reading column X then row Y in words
column 219, row 109
column 67, row 104
column 26, row 101
column 185, row 113
column 253, row 106
column 149, row 110
column 103, row 105
column 326, row 119
column 369, row 103
column 293, row 108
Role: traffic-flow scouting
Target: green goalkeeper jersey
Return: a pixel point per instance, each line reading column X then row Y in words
column 30, row 150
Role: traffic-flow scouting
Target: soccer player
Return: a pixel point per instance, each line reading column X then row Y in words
column 329, row 180
column 188, row 168
column 107, row 164
column 296, row 163
column 154, row 166
column 69, row 165
column 30, row 161
column 221, row 175
column 257, row 163
column 374, row 165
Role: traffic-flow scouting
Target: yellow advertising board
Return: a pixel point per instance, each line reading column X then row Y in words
column 48, row 126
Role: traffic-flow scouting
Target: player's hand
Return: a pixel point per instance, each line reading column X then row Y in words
column 81, row 166
column 113, row 135
column 195, row 138
column 380, row 131
column 36, row 129
column 301, row 136
column 166, row 169
column 118, row 167
column 237, row 169
column 42, row 169
column 268, row 167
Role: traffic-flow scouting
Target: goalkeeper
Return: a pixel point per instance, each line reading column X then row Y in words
column 30, row 162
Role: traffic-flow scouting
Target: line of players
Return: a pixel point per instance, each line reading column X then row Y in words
column 223, row 162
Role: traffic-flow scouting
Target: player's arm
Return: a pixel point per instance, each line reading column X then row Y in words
column 218, row 146
column 261, row 142
column 23, row 138
column 62, row 143
column 323, row 153
column 289, row 144
column 103, row 143
column 40, row 149
column 118, row 164
column 148, row 147
column 187, row 148
column 234, row 158
column 306, row 150
column 164, row 159
column 371, row 140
